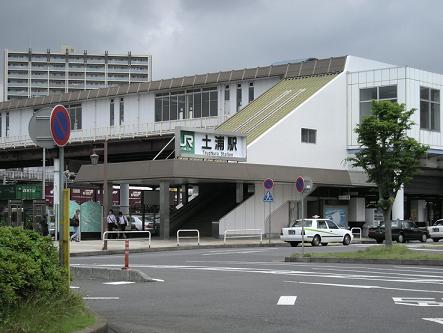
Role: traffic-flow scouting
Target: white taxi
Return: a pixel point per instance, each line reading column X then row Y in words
column 436, row 231
column 317, row 231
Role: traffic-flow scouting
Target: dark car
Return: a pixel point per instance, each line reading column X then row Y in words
column 402, row 231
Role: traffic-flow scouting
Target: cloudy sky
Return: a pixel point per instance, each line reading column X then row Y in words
column 198, row 36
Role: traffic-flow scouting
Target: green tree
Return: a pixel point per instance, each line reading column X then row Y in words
column 388, row 156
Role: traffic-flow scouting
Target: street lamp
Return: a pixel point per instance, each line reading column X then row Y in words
column 94, row 161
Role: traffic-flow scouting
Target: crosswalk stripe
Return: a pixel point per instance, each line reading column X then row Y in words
column 287, row 300
column 117, row 283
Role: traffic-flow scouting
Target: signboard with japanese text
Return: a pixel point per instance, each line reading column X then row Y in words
column 210, row 144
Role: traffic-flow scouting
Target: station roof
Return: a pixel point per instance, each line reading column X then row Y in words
column 180, row 171
column 289, row 70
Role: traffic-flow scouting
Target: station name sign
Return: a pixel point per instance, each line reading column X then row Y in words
column 210, row 144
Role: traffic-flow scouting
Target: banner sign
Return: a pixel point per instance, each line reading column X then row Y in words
column 210, row 144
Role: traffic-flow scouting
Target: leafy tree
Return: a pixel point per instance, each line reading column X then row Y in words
column 388, row 156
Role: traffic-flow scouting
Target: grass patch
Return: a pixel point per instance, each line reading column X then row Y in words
column 46, row 316
column 396, row 251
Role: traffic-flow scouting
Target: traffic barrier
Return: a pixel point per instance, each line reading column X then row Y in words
column 126, row 254
column 188, row 230
column 246, row 233
column 358, row 229
column 106, row 233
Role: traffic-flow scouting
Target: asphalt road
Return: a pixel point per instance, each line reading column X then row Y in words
column 252, row 290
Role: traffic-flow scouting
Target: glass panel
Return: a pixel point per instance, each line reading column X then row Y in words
column 181, row 106
column 227, row 96
column 312, row 136
column 190, row 109
column 197, row 105
column 304, row 135
column 205, row 104
column 435, row 95
column 158, row 109
column 435, row 116
column 111, row 114
column 213, row 97
column 306, row 223
column 368, row 94
column 332, row 225
column 122, row 112
column 387, row 92
column 321, row 225
column 239, row 97
column 78, row 116
column 165, row 108
column 365, row 110
column 424, row 114
column 424, row 93
column 251, row 94
column 173, row 111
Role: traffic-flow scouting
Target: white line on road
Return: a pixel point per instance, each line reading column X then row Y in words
column 117, row 283
column 73, row 287
column 101, row 298
column 237, row 252
column 367, row 287
column 416, row 301
column 287, row 300
column 157, row 280
column 435, row 320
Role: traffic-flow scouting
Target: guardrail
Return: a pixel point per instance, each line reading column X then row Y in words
column 247, row 233
column 106, row 233
column 358, row 229
column 188, row 230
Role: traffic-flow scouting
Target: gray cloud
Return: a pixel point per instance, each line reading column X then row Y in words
column 192, row 36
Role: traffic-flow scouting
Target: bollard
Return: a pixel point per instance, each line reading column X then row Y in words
column 126, row 255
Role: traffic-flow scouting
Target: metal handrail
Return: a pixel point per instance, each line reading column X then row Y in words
column 188, row 230
column 358, row 229
column 252, row 233
column 106, row 233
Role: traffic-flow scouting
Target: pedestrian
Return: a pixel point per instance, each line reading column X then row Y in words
column 76, row 225
column 112, row 221
column 122, row 223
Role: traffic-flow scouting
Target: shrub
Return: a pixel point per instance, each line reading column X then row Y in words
column 29, row 267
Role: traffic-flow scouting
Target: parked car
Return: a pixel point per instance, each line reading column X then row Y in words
column 402, row 231
column 317, row 231
column 436, row 230
column 151, row 224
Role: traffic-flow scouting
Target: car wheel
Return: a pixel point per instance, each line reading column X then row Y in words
column 324, row 244
column 316, row 240
column 424, row 238
column 294, row 244
column 379, row 241
column 401, row 238
column 346, row 240
column 435, row 239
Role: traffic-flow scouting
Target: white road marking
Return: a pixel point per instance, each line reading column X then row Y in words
column 435, row 320
column 73, row 287
column 231, row 252
column 157, row 280
column 287, row 300
column 416, row 301
column 367, row 287
column 101, row 298
column 117, row 283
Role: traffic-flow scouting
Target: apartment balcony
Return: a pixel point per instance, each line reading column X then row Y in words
column 39, row 59
column 57, row 68
column 17, row 59
column 140, row 62
column 76, row 60
column 17, row 84
column 95, row 78
column 118, row 78
column 17, row 67
column 57, row 60
column 117, row 62
column 18, row 92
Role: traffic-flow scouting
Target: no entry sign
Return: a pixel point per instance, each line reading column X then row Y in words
column 60, row 124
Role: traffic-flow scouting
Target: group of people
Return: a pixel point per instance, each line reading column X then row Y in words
column 118, row 223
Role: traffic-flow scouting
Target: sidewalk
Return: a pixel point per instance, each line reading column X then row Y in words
column 94, row 247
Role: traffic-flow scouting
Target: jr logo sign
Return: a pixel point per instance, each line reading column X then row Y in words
column 187, row 142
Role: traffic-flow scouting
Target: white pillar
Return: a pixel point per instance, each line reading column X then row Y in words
column 124, row 199
column 398, row 208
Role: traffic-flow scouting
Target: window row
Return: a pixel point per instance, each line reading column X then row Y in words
column 121, row 115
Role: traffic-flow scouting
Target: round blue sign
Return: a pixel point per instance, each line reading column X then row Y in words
column 60, row 125
column 300, row 184
column 268, row 184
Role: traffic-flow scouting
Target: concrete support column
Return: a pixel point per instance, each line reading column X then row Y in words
column 238, row 193
column 185, row 194
column 398, row 208
column 164, row 209
column 124, row 199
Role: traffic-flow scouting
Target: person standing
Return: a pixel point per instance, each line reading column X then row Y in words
column 76, row 225
column 112, row 221
column 122, row 223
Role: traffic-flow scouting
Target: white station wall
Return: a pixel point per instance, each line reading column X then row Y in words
column 325, row 111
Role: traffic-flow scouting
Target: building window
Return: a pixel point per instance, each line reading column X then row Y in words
column 122, row 111
column 429, row 109
column 239, row 97
column 1, row 125
column 251, row 91
column 111, row 113
column 308, row 135
column 367, row 95
column 7, row 124
column 227, row 95
column 75, row 113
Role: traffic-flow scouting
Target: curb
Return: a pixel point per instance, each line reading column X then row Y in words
column 100, row 326
column 109, row 274
column 421, row 262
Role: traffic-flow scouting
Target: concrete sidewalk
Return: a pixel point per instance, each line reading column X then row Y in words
column 94, row 247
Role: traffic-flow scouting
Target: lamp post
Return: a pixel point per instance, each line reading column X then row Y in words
column 94, row 161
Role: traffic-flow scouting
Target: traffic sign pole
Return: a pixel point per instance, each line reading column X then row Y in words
column 302, row 227
column 61, row 228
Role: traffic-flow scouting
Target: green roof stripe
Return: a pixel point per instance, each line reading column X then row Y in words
column 265, row 111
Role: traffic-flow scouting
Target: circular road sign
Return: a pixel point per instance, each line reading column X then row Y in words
column 268, row 184
column 300, row 184
column 60, row 124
